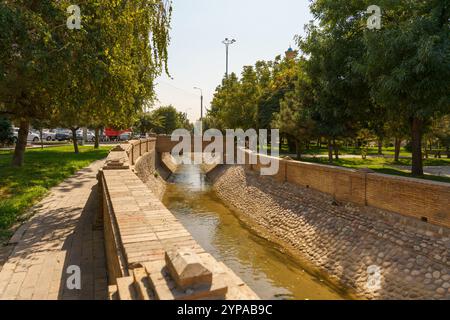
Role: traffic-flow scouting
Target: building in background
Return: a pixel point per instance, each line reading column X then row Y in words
column 291, row 54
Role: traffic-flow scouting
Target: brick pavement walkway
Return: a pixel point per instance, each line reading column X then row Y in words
column 60, row 234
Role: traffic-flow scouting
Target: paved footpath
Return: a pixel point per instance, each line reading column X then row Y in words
column 60, row 234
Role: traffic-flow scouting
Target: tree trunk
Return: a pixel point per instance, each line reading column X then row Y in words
column 298, row 149
column 330, row 151
column 448, row 152
column 97, row 138
column 336, row 149
column 42, row 140
column 398, row 144
column 380, row 146
column 21, row 145
column 417, row 158
column 75, row 140
column 291, row 144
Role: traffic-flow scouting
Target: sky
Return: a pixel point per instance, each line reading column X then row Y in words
column 263, row 29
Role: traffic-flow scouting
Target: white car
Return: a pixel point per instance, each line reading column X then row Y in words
column 32, row 137
column 125, row 136
column 89, row 135
column 48, row 135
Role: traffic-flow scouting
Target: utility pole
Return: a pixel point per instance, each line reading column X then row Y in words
column 201, row 103
column 227, row 42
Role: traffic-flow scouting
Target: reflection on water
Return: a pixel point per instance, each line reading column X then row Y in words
column 270, row 273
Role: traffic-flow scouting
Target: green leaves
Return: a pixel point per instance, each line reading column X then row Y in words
column 100, row 74
column 252, row 100
column 408, row 61
column 163, row 120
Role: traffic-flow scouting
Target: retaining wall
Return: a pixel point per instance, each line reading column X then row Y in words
column 425, row 200
column 139, row 229
column 343, row 240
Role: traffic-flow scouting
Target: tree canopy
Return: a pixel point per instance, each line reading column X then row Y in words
column 351, row 81
column 163, row 120
column 102, row 74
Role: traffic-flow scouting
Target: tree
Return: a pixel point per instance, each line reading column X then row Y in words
column 364, row 136
column 332, row 47
column 28, row 62
column 440, row 130
column 164, row 120
column 278, row 80
column 234, row 102
column 183, row 121
column 252, row 100
column 148, row 122
column 295, row 121
column 408, row 65
column 398, row 129
column 105, row 72
column 120, row 63
column 248, row 95
column 224, row 112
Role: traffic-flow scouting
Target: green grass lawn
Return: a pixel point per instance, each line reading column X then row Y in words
column 21, row 188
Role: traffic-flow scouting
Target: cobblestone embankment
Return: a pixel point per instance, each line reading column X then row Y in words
column 153, row 172
column 342, row 240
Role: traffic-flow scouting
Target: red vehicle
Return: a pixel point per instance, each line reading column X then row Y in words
column 113, row 134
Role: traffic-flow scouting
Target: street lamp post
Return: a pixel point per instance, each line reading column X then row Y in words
column 201, row 103
column 227, row 42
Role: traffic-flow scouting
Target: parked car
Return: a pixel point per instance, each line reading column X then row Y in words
column 63, row 135
column 114, row 135
column 48, row 135
column 125, row 136
column 32, row 137
column 90, row 135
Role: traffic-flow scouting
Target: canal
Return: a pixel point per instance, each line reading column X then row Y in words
column 269, row 272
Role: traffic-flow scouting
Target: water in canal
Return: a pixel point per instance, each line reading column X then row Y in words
column 268, row 271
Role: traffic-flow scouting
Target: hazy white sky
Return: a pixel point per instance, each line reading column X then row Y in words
column 262, row 28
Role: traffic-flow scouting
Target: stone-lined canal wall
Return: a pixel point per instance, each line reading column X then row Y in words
column 147, row 248
column 421, row 199
column 149, row 167
column 348, row 242
column 336, row 219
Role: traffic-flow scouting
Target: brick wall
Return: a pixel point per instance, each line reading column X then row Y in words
column 137, row 148
column 413, row 197
column 425, row 200
column 138, row 228
column 421, row 199
column 115, row 259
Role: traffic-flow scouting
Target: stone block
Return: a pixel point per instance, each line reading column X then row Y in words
column 186, row 269
column 117, row 160
column 165, row 287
